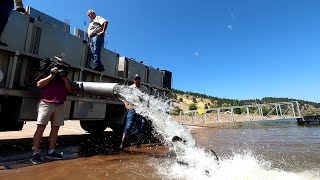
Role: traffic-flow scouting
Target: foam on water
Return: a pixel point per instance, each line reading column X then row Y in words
column 237, row 167
column 193, row 162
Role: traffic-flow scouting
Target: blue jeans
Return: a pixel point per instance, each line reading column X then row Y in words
column 6, row 7
column 133, row 119
column 96, row 44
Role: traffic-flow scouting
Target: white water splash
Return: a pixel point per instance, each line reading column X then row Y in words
column 191, row 161
column 237, row 167
column 156, row 110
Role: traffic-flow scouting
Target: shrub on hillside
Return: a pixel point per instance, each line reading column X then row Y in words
column 175, row 111
column 193, row 106
column 194, row 100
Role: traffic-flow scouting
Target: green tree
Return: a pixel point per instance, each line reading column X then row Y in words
column 213, row 106
column 265, row 110
column 235, row 102
column 174, row 96
column 175, row 111
column 243, row 110
column 236, row 110
column 225, row 105
column 193, row 106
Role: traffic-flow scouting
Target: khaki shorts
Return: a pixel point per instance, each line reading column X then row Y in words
column 50, row 111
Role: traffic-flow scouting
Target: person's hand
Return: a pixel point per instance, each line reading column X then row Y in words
column 54, row 71
column 127, row 105
column 100, row 33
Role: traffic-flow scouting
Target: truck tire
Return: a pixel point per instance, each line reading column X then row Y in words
column 94, row 126
column 11, row 125
column 10, row 108
column 116, row 115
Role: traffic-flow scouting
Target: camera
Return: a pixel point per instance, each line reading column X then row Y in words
column 63, row 73
column 59, row 67
column 44, row 67
column 59, row 71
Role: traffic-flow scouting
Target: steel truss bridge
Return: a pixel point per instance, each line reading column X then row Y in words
column 268, row 111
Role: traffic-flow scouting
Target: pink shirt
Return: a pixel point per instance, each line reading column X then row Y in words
column 54, row 92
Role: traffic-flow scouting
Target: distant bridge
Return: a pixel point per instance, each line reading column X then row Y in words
column 268, row 111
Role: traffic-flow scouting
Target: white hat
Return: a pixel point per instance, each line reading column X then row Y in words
column 136, row 76
column 90, row 11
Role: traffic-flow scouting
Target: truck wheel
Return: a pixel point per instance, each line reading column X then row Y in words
column 11, row 125
column 10, row 111
column 94, row 127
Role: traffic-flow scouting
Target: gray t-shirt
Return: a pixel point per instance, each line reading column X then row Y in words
column 95, row 26
column 142, row 88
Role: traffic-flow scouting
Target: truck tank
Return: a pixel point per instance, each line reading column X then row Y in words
column 93, row 102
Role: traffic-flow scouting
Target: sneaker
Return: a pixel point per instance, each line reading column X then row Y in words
column 54, row 156
column 36, row 159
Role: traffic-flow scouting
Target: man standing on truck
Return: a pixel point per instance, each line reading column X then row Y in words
column 96, row 32
column 6, row 7
column 53, row 92
column 132, row 117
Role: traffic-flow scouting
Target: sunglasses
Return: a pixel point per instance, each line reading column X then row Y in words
column 137, row 78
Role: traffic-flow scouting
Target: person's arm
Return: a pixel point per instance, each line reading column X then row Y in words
column 104, row 28
column 67, row 84
column 45, row 81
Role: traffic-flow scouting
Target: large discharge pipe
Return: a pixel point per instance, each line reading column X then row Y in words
column 96, row 88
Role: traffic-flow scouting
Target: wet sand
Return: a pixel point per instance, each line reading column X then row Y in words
column 86, row 156
column 287, row 148
column 131, row 163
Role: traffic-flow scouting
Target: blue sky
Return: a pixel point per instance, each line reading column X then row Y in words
column 239, row 49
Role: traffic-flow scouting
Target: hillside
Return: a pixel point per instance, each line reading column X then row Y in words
column 184, row 101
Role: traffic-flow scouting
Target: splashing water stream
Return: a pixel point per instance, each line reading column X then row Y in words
column 191, row 161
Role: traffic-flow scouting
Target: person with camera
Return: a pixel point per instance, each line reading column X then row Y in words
column 53, row 92
column 96, row 30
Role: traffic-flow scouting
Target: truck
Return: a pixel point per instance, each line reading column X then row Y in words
column 38, row 38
